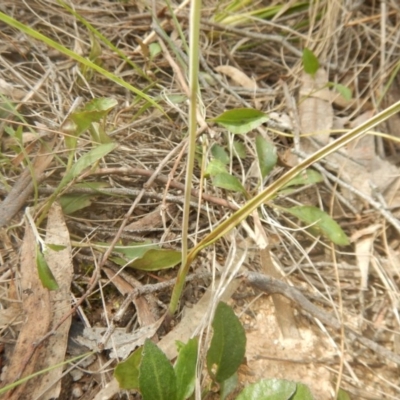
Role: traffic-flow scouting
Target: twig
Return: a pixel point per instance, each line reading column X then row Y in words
column 272, row 286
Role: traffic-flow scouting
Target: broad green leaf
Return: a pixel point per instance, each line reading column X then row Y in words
column 56, row 247
column 266, row 154
column 321, row 222
column 101, row 105
column 185, row 369
column 302, row 393
column 228, row 344
column 215, row 167
column 228, row 386
column 240, row 150
column 307, row 177
column 79, row 121
column 127, row 372
column 310, row 62
column 344, row 91
column 157, row 259
column 74, row 202
column 44, row 272
column 268, row 389
column 133, row 250
column 228, row 182
column 343, row 395
column 87, row 160
column 157, row 378
column 241, row 120
column 154, row 49
column 219, row 153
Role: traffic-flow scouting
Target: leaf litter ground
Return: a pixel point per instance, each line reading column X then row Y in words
column 245, row 62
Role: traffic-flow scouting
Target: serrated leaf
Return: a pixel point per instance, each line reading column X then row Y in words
column 228, row 182
column 219, row 153
column 228, row 344
column 157, row 378
column 215, row 167
column 185, row 369
column 307, row 177
column 310, row 62
column 156, row 260
column 127, row 372
column 240, row 150
column 241, row 120
column 268, row 389
column 321, row 222
column 266, row 154
column 302, row 393
column 44, row 272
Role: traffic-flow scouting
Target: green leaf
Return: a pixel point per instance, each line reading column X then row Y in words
column 185, row 369
column 344, row 91
column 302, row 393
column 241, row 120
column 127, row 372
column 228, row 182
column 87, row 160
column 228, row 386
column 219, row 153
column 133, row 250
column 56, row 247
column 268, row 389
column 322, row 223
column 156, row 260
column 44, row 272
column 98, row 134
column 157, row 378
column 228, row 344
column 310, row 62
column 80, row 121
column 306, row 177
column 74, row 202
column 154, row 49
column 215, row 167
column 266, row 154
column 240, row 150
column 343, row 395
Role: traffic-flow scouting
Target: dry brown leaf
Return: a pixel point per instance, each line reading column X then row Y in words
column 237, row 76
column 143, row 308
column 43, row 310
column 315, row 109
column 36, row 305
column 25, row 183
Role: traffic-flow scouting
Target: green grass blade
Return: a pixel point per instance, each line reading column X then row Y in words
column 104, row 39
column 271, row 191
column 37, row 35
